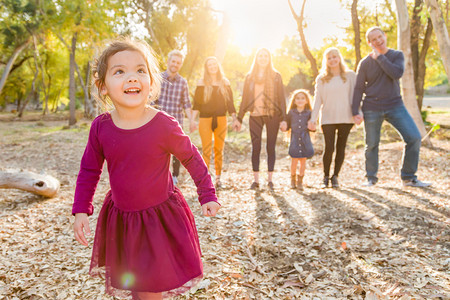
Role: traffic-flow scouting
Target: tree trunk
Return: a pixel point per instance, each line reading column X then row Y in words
column 44, row 185
column 408, row 87
column 88, row 108
column 357, row 31
column 10, row 63
column 441, row 33
column 299, row 19
column 420, row 82
column 33, row 85
column 72, row 96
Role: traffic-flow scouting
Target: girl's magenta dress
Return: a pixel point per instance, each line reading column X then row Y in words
column 146, row 239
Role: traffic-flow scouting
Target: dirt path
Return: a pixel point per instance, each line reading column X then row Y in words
column 380, row 242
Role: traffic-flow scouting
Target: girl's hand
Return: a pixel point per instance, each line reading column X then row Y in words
column 283, row 126
column 80, row 226
column 210, row 209
column 312, row 126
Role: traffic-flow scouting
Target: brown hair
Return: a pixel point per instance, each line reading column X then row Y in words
column 207, row 80
column 120, row 44
column 294, row 94
column 325, row 71
column 255, row 67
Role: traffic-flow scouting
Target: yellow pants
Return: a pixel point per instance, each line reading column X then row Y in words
column 206, row 133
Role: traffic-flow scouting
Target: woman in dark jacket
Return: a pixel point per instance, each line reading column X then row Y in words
column 264, row 98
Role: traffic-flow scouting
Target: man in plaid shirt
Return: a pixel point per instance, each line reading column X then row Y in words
column 174, row 98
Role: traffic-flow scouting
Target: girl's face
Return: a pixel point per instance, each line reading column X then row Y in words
column 212, row 67
column 300, row 101
column 127, row 80
column 333, row 59
column 263, row 59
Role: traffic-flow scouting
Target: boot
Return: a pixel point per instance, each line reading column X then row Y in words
column 293, row 181
column 300, row 183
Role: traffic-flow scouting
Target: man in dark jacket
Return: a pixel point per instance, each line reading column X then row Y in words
column 378, row 79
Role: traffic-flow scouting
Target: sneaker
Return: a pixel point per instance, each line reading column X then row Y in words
column 416, row 183
column 175, row 180
column 254, row 186
column 270, row 185
column 369, row 183
column 334, row 182
column 325, row 182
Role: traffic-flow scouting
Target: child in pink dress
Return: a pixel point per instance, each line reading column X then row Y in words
column 146, row 241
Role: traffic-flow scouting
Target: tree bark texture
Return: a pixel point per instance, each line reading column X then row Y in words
column 72, row 96
column 39, row 184
column 408, row 86
column 299, row 19
column 10, row 63
column 441, row 32
column 357, row 31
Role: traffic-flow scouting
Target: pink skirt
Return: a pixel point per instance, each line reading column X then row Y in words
column 152, row 250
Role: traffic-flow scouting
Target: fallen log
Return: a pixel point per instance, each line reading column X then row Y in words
column 39, row 184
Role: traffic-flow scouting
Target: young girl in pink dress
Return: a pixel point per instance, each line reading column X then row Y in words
column 146, row 242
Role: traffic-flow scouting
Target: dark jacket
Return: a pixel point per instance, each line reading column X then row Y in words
column 248, row 98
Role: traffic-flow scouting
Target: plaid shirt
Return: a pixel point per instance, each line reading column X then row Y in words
column 174, row 96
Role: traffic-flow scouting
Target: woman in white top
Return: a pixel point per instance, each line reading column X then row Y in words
column 333, row 99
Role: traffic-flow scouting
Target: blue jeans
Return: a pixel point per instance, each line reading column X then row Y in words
column 404, row 124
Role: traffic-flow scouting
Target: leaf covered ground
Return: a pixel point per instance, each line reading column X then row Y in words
column 383, row 242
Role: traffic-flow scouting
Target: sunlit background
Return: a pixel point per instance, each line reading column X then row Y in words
column 265, row 23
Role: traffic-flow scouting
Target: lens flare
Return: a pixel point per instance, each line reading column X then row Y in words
column 127, row 280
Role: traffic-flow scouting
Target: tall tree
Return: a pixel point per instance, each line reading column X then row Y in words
column 300, row 26
column 357, row 30
column 441, row 32
column 419, row 54
column 408, row 87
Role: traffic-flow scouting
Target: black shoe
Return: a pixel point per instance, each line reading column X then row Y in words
column 254, row 186
column 325, row 182
column 270, row 185
column 334, row 182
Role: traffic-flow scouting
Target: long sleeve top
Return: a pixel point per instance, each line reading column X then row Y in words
column 138, row 164
column 217, row 106
column 378, row 80
column 333, row 99
column 248, row 98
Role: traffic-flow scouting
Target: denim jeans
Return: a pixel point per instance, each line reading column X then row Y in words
column 404, row 124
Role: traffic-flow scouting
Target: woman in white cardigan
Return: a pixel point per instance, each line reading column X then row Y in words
column 333, row 100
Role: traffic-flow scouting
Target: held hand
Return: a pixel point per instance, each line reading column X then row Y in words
column 283, row 126
column 358, row 119
column 312, row 126
column 236, row 125
column 81, row 225
column 210, row 209
column 193, row 126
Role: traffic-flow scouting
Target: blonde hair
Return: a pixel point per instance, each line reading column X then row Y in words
column 294, row 94
column 120, row 44
column 208, row 80
column 325, row 71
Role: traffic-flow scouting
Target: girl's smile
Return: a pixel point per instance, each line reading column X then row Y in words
column 300, row 101
column 127, row 81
